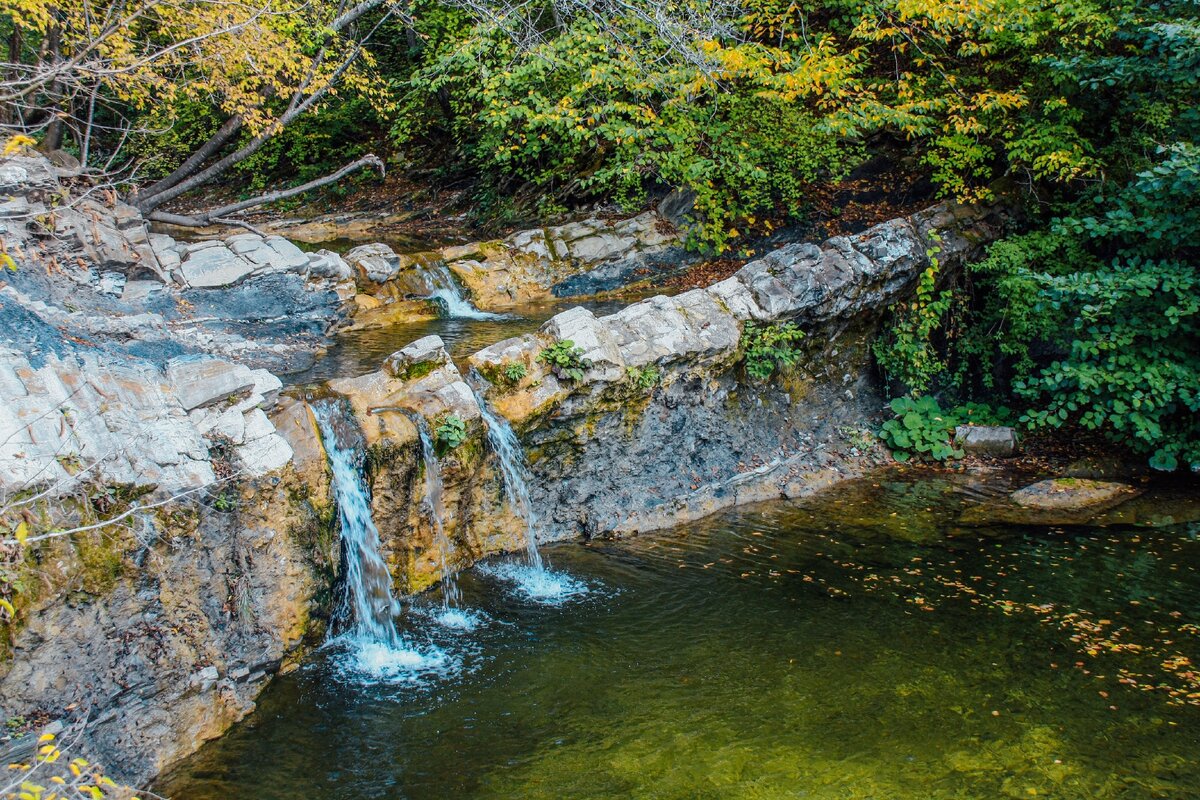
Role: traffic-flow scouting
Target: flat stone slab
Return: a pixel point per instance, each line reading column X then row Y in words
column 210, row 267
column 202, row 382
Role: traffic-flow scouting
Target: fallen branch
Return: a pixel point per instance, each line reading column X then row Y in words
column 221, row 215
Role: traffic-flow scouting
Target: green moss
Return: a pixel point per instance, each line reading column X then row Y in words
column 101, row 562
column 418, row 370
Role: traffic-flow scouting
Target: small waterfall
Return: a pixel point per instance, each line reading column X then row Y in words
column 443, row 288
column 368, row 609
column 515, row 469
column 436, row 511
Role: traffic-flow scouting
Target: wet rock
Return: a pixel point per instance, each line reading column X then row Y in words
column 1073, row 495
column 986, row 440
column 579, row 257
column 418, row 358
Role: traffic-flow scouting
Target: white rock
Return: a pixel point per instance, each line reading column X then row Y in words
column 203, row 382
column 265, row 454
column 210, row 267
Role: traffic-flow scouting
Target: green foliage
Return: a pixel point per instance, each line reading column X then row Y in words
column 643, row 378
column 225, row 501
column 577, row 116
column 514, row 372
column 907, row 352
column 766, row 348
column 450, row 433
column 565, row 360
column 920, row 429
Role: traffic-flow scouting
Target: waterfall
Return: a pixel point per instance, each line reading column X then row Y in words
column 443, row 288
column 368, row 609
column 436, row 511
column 513, row 467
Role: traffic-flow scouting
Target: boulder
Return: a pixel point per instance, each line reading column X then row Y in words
column 214, row 265
column 328, row 264
column 986, row 440
column 418, row 358
column 1073, row 494
column 200, row 382
column 377, row 262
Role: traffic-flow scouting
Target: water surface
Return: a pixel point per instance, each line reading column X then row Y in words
column 860, row 645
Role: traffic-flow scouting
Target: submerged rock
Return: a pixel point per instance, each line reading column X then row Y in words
column 1055, row 501
column 1073, row 494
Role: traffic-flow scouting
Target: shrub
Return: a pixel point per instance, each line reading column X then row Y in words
column 565, row 360
column 450, row 433
column 766, row 348
column 920, row 429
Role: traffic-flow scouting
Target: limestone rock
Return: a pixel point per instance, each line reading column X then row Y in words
column 328, row 264
column 202, row 382
column 213, row 265
column 986, row 440
column 377, row 262
column 418, row 358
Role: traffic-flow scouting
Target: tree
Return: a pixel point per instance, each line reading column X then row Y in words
column 85, row 73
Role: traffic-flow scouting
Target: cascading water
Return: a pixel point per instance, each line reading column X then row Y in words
column 534, row 579
column 445, row 289
column 368, row 608
column 436, row 511
column 513, row 467
column 364, row 624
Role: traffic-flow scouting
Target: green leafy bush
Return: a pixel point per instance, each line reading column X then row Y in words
column 450, row 433
column 565, row 360
column 920, row 429
column 767, row 348
column 907, row 353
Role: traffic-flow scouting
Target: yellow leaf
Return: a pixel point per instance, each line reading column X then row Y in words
column 22, row 534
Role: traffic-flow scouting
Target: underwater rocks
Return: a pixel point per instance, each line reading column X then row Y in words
column 1055, row 501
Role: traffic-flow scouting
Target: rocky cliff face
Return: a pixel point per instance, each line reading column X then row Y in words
column 133, row 391
column 665, row 426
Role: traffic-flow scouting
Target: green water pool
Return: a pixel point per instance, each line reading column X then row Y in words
column 862, row 644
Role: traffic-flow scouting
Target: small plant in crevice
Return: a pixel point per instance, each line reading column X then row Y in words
column 225, row 501
column 643, row 378
column 920, row 429
column 450, row 433
column 513, row 372
column 766, row 348
column 565, row 360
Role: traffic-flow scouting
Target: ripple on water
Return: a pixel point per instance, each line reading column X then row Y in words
column 541, row 585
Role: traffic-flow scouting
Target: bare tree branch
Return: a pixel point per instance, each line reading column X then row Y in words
column 221, row 215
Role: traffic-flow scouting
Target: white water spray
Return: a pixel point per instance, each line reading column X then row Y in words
column 445, row 289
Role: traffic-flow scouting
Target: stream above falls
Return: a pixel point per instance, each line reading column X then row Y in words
column 864, row 643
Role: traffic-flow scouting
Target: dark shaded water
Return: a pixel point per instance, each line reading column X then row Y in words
column 860, row 645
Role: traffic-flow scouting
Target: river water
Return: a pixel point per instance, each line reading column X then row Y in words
column 862, row 644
